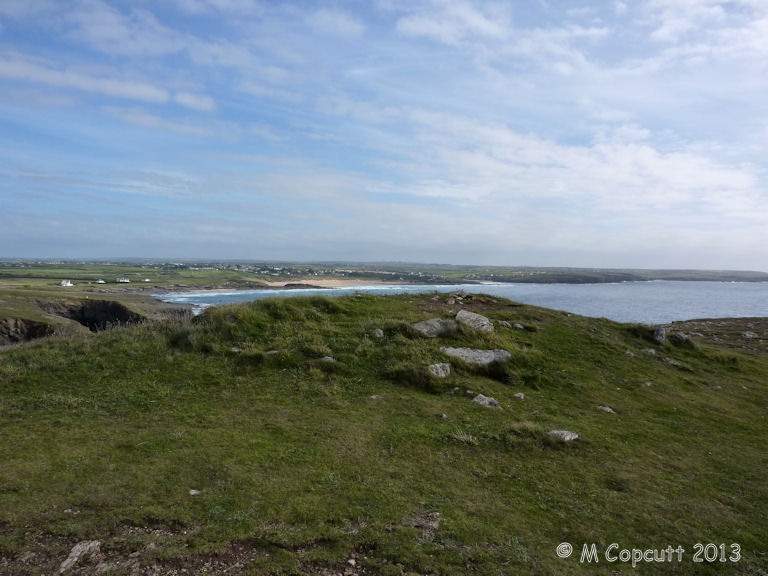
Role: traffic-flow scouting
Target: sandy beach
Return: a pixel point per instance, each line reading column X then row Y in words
column 330, row 282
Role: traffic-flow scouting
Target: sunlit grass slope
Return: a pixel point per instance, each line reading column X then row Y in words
column 231, row 443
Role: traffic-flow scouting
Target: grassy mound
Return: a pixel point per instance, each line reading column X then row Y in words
column 286, row 437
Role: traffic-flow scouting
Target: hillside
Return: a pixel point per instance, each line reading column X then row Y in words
column 306, row 436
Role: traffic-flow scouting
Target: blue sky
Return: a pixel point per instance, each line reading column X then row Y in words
column 562, row 133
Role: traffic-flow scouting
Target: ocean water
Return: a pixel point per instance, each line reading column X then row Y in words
column 647, row 302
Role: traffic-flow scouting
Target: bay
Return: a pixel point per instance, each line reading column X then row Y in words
column 652, row 302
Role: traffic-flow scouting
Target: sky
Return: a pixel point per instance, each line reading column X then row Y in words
column 541, row 133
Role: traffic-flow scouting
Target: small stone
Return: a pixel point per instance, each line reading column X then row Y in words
column 377, row 333
column 606, row 409
column 469, row 393
column 563, row 435
column 352, row 562
column 504, row 323
column 650, row 351
column 236, row 349
column 443, row 416
column 629, row 353
column 518, row 326
column 485, row 401
column 660, row 334
column 454, row 389
column 441, row 370
column 374, row 397
column 194, row 492
column 748, row 335
column 328, row 359
column 647, row 384
column 519, row 395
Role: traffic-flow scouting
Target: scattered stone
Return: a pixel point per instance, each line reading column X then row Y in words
column 441, row 370
column 563, row 435
column 378, row 333
column 479, row 357
column 80, row 550
column 443, row 416
column 647, row 384
column 469, row 393
column 485, row 401
column 435, row 327
column 474, row 321
column 678, row 338
column 505, row 324
column 271, row 352
column 518, row 326
column 519, row 395
column 677, row 364
column 450, row 301
column 629, row 353
column 749, row 335
column 606, row 409
column 194, row 492
column 375, row 397
column 328, row 359
column 236, row 349
column 718, row 387
column 660, row 334
column 352, row 562
column 27, row 556
column 695, row 334
column 650, row 351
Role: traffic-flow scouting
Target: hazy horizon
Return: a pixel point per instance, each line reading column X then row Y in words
column 602, row 134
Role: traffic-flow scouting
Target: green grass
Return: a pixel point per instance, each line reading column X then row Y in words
column 302, row 463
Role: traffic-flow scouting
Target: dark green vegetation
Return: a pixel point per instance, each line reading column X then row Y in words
column 303, row 463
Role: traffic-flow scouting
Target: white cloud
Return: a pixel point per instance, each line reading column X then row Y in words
column 108, row 30
column 23, row 68
column 142, row 118
column 336, row 23
column 195, row 101
column 452, row 22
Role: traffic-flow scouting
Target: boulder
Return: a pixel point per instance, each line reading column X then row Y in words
column 435, row 327
column 474, row 321
column 478, row 357
column 441, row 370
column 660, row 334
column 563, row 435
column 485, row 401
column 678, row 338
column 377, row 333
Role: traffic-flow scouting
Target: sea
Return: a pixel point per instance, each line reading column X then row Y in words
column 651, row 302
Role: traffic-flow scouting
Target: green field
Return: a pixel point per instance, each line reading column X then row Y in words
column 228, row 444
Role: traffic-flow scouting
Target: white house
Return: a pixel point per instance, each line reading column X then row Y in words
column 66, row 283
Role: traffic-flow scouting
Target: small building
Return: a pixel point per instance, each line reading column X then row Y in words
column 123, row 281
column 66, row 283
